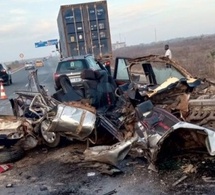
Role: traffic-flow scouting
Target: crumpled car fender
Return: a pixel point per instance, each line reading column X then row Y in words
column 110, row 154
column 184, row 136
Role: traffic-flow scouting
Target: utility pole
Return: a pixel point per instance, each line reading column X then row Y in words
column 155, row 35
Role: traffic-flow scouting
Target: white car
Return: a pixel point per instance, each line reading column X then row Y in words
column 29, row 66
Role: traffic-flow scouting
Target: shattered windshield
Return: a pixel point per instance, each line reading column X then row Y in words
column 164, row 71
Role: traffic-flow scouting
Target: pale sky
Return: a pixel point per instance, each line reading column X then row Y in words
column 24, row 22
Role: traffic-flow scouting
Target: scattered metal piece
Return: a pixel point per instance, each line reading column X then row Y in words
column 111, row 171
column 179, row 180
column 91, row 174
column 208, row 179
column 111, row 192
column 110, row 154
column 10, row 185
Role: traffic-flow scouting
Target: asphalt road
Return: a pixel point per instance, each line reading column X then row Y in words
column 21, row 79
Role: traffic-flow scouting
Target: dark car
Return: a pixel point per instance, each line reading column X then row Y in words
column 73, row 66
column 5, row 74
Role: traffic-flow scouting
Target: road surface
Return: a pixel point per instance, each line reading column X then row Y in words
column 20, row 82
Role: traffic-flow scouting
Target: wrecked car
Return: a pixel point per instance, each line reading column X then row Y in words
column 167, row 84
column 101, row 108
column 73, row 116
column 160, row 140
column 12, row 128
column 66, row 114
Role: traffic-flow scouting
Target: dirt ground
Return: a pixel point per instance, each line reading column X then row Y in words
column 63, row 171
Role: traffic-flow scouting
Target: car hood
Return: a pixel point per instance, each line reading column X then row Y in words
column 171, row 83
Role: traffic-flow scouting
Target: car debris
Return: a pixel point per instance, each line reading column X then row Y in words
column 74, row 120
column 110, row 154
column 179, row 180
column 111, row 192
column 129, row 122
column 10, row 185
column 5, row 167
column 208, row 179
column 183, row 137
column 12, row 129
column 91, row 174
column 190, row 168
column 173, row 88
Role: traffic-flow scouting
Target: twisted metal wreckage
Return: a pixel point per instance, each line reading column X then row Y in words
column 143, row 115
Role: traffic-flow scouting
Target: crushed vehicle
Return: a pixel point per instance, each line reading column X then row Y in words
column 73, row 116
column 12, row 131
column 105, row 109
column 157, row 128
column 159, row 143
column 70, row 117
column 167, row 84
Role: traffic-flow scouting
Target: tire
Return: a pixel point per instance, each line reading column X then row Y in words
column 10, row 155
column 51, row 139
column 55, row 142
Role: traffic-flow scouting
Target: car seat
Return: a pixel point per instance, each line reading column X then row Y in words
column 154, row 119
column 98, row 88
column 105, row 89
column 67, row 93
column 90, row 83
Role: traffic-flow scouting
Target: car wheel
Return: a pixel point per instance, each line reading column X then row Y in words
column 10, row 155
column 51, row 139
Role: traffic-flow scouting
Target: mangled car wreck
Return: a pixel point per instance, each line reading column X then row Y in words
column 132, row 108
column 168, row 85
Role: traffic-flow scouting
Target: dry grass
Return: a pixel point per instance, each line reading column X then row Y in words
column 196, row 54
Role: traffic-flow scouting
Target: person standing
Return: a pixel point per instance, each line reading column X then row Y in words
column 168, row 52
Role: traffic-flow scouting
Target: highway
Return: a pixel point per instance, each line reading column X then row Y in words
column 20, row 82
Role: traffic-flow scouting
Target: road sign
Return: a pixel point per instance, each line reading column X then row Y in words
column 41, row 44
column 52, row 42
column 21, row 55
column 46, row 43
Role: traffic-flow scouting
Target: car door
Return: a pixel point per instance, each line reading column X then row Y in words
column 121, row 74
